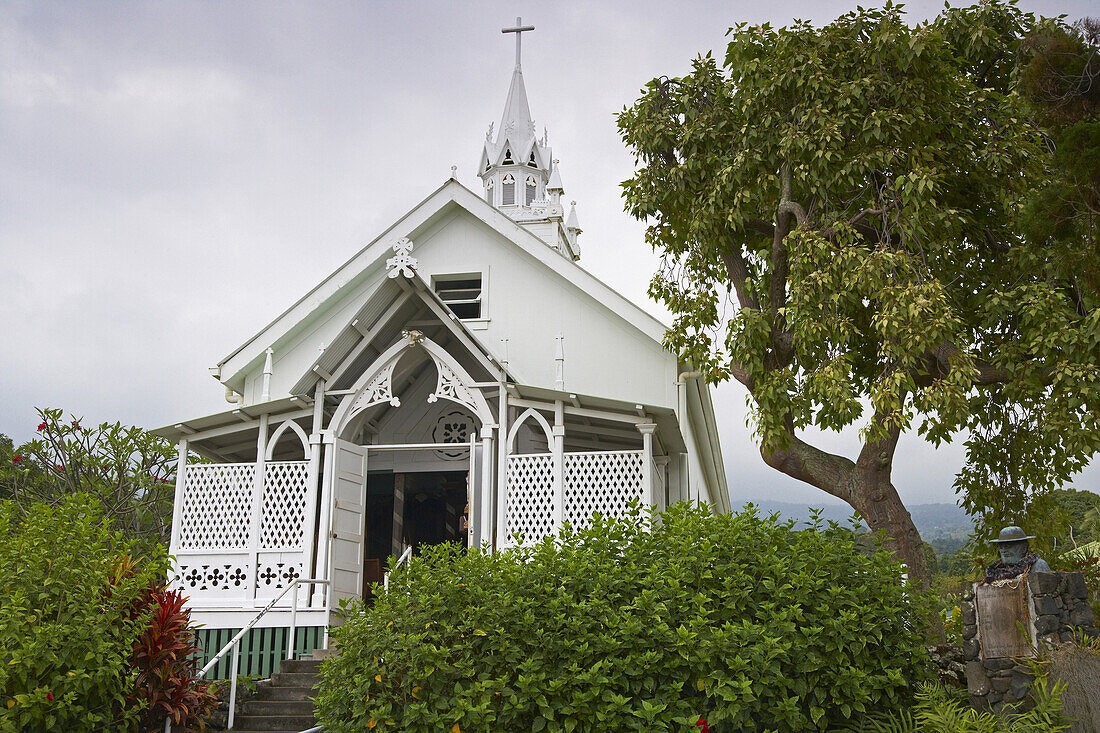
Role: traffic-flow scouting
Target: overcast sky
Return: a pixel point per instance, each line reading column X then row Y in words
column 174, row 175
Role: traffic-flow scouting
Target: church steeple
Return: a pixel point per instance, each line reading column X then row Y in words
column 517, row 169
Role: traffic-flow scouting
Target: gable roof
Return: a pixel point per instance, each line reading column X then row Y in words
column 448, row 196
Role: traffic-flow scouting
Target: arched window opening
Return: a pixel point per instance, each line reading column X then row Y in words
column 531, row 188
column 489, row 191
column 508, row 191
column 532, row 162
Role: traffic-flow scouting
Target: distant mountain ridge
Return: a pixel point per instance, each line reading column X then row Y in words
column 944, row 526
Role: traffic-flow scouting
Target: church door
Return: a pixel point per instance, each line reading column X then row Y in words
column 348, row 521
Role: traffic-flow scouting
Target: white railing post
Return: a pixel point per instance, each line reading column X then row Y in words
column 293, row 620
column 233, row 684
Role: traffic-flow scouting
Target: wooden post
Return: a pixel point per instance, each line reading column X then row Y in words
column 258, row 498
column 502, row 468
column 559, row 464
column 648, row 489
column 177, row 496
column 310, row 556
column 487, row 506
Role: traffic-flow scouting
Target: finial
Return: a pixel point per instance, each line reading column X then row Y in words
column 454, row 171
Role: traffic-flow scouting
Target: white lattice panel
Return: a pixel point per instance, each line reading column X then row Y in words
column 217, row 506
column 603, row 482
column 284, row 505
column 530, row 509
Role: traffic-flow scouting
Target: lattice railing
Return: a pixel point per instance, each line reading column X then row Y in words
column 530, row 507
column 282, row 511
column 216, row 511
column 603, row 482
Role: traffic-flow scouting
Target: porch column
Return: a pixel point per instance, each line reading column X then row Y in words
column 485, row 535
column 177, row 495
column 648, row 489
column 502, row 472
column 311, row 564
column 558, row 433
column 258, row 499
column 662, row 479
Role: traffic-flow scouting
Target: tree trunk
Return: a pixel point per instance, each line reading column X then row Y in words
column 865, row 486
column 879, row 504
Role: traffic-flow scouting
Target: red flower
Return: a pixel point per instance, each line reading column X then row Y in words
column 16, row 459
column 41, row 426
column 59, row 467
column 702, row 723
column 49, row 696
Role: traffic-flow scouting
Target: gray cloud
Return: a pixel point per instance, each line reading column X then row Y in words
column 172, row 175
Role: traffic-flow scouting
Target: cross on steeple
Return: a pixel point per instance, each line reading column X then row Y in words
column 518, row 30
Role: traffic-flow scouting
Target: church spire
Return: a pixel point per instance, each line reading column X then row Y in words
column 517, row 112
column 518, row 170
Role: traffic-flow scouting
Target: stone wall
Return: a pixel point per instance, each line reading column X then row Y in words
column 1056, row 606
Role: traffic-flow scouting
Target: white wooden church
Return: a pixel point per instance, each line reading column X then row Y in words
column 461, row 378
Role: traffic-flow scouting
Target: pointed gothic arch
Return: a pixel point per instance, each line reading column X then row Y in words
column 542, row 421
column 375, row 385
column 283, row 427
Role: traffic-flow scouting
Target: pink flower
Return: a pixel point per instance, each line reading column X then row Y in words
column 41, row 426
column 16, row 459
column 49, row 696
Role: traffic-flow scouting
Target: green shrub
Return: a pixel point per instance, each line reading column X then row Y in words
column 70, row 602
column 741, row 621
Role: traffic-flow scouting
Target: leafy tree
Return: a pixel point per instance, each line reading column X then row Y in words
column 129, row 471
column 1080, row 512
column 837, row 209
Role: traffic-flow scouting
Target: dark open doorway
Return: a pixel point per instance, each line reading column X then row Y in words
column 431, row 506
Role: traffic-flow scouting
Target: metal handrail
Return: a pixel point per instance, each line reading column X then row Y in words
column 234, row 644
column 406, row 557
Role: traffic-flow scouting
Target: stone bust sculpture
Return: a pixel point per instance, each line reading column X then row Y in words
column 1016, row 559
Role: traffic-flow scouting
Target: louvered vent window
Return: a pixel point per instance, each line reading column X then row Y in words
column 461, row 293
column 508, row 191
column 530, row 188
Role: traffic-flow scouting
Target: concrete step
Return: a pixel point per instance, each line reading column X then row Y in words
column 289, row 694
column 319, row 654
column 277, row 707
column 295, row 679
column 266, row 723
column 313, row 666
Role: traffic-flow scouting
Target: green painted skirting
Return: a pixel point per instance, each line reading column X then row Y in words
column 261, row 649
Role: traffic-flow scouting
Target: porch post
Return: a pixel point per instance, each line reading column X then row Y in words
column 502, row 470
column 324, row 523
column 177, row 496
column 397, row 534
column 648, row 489
column 558, row 432
column 258, row 499
column 310, row 556
column 486, row 508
